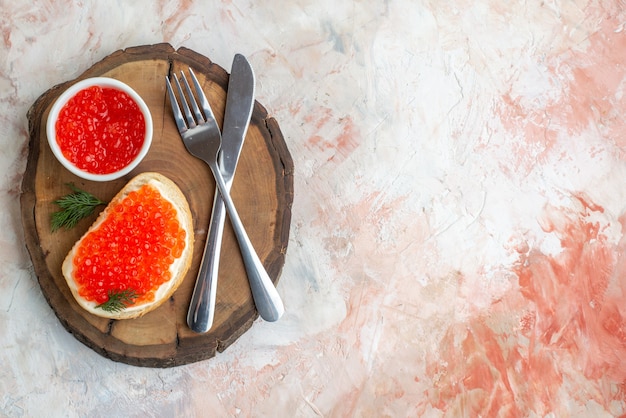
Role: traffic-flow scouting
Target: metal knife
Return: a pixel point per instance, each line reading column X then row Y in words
column 239, row 104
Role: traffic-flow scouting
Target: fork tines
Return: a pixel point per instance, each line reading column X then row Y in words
column 190, row 120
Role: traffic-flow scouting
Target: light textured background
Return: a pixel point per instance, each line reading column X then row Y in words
column 457, row 242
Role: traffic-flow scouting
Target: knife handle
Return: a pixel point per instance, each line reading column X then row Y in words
column 266, row 298
column 202, row 307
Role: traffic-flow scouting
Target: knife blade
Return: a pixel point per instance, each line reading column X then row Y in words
column 237, row 114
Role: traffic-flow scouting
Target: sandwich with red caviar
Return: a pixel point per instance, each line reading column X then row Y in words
column 137, row 252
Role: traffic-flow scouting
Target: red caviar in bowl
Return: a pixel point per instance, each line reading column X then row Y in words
column 132, row 249
column 100, row 129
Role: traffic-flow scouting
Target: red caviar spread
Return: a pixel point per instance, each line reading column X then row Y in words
column 133, row 248
column 100, row 129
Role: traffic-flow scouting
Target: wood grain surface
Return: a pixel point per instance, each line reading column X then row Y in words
column 262, row 191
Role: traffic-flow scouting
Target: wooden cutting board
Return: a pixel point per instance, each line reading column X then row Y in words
column 262, row 191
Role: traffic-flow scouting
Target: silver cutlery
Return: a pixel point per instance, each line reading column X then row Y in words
column 202, row 139
column 239, row 105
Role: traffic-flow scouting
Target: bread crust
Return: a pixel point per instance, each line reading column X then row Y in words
column 170, row 191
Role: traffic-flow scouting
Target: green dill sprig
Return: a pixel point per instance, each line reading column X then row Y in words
column 74, row 207
column 118, row 300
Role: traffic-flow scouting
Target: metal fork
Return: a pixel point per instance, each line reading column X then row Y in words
column 202, row 138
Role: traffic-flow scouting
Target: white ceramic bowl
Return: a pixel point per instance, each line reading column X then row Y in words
column 71, row 92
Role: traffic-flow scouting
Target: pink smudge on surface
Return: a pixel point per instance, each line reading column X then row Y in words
column 556, row 340
column 568, row 336
column 345, row 142
column 324, row 138
column 591, row 97
column 594, row 76
column 174, row 21
column 320, row 118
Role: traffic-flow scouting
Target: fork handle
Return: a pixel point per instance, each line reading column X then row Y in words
column 266, row 298
column 202, row 307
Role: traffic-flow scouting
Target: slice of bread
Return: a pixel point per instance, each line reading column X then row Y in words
column 178, row 268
